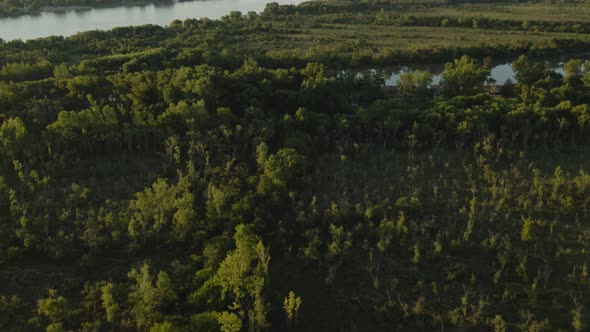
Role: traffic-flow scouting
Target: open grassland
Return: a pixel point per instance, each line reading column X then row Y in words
column 349, row 27
column 347, row 37
column 515, row 11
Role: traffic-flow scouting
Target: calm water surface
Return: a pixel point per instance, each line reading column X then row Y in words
column 501, row 73
column 69, row 22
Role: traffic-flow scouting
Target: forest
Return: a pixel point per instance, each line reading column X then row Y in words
column 239, row 175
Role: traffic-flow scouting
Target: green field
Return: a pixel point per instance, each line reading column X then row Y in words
column 368, row 37
column 574, row 12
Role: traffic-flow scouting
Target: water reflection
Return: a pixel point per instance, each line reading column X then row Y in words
column 501, row 73
column 67, row 22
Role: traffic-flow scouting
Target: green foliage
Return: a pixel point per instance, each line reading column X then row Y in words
column 56, row 327
column 578, row 321
column 341, row 241
column 53, row 307
column 206, row 321
column 415, row 83
column 109, row 302
column 527, row 230
column 146, row 300
column 384, row 208
column 229, row 322
column 25, row 72
column 11, row 313
column 242, row 276
column 526, row 72
column 163, row 327
column 498, row 324
column 280, row 170
column 463, row 77
column 13, row 137
column 162, row 208
column 291, row 305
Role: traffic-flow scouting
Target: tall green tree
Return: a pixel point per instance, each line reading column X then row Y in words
column 13, row 138
column 527, row 72
column 242, row 277
column 148, row 301
column 463, row 77
column 415, row 83
column 54, row 307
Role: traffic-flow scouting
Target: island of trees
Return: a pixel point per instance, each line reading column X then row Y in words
column 160, row 179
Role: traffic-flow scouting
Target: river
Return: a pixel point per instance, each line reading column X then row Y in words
column 501, row 72
column 72, row 21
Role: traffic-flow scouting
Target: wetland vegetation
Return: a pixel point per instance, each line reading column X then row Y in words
column 216, row 175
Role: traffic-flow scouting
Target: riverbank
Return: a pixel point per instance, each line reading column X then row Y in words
column 137, row 13
column 23, row 11
column 501, row 71
column 112, row 5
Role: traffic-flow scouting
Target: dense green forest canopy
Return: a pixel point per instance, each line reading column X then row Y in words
column 160, row 179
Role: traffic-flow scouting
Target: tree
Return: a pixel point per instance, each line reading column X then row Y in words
column 578, row 322
column 498, row 324
column 13, row 137
column 291, row 306
column 341, row 241
column 261, row 155
column 314, row 85
column 164, row 327
column 585, row 78
column 235, row 15
column 109, row 302
column 86, row 132
column 415, row 83
column 11, row 317
column 271, row 9
column 229, row 322
column 165, row 288
column 527, row 73
column 152, row 210
column 162, row 208
column 243, row 276
column 280, row 169
column 463, row 77
column 573, row 71
column 7, row 96
column 208, row 321
column 145, row 299
column 25, row 72
column 61, row 71
column 53, row 307
column 526, row 233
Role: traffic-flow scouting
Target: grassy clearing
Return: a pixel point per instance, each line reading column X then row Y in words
column 539, row 12
column 367, row 36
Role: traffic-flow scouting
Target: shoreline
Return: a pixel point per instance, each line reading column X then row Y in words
column 54, row 9
column 98, row 6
